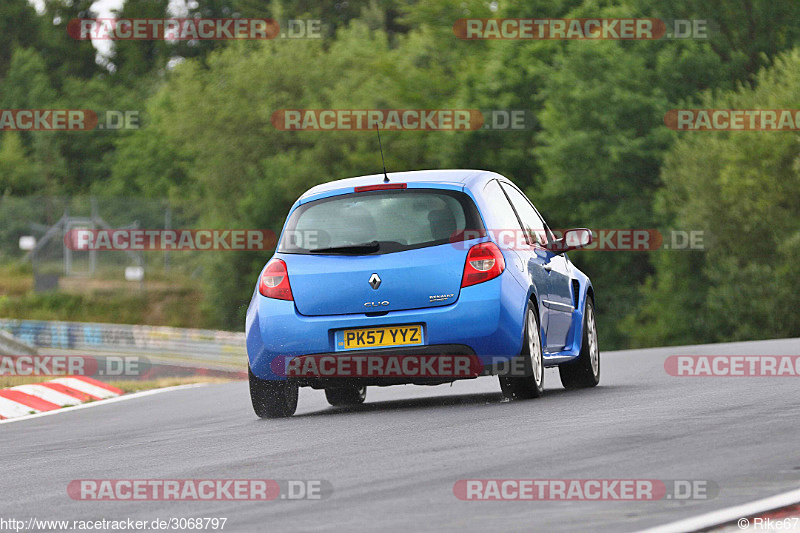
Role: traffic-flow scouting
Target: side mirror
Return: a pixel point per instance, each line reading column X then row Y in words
column 572, row 240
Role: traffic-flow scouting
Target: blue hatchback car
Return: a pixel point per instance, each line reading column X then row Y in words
column 439, row 263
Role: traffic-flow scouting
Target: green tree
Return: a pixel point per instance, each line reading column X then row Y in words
column 742, row 36
column 27, row 86
column 603, row 140
column 134, row 59
column 18, row 28
column 66, row 57
column 19, row 174
column 741, row 188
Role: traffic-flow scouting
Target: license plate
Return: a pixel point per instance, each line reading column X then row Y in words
column 353, row 339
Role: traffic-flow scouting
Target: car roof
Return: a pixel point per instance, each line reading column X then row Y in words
column 467, row 177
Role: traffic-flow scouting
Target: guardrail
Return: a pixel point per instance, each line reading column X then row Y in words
column 201, row 347
column 10, row 345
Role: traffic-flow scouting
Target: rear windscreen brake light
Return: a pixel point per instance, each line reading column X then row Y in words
column 382, row 187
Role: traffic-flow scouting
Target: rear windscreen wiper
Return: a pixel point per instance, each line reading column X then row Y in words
column 365, row 248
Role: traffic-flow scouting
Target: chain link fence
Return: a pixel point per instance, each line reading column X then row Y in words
column 32, row 231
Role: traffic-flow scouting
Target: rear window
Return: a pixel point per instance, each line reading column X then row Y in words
column 379, row 222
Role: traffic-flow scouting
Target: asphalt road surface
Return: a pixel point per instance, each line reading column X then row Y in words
column 393, row 461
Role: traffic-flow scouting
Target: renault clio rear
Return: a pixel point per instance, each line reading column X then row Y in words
column 410, row 265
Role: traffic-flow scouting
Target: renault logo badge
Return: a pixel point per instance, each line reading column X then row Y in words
column 375, row 281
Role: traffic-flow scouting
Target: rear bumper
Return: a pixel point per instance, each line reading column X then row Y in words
column 486, row 320
column 414, row 352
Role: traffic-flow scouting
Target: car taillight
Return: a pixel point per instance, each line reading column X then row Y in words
column 274, row 282
column 484, row 262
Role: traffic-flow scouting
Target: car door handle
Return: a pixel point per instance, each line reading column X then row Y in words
column 547, row 267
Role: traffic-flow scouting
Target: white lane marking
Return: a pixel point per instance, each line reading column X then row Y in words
column 10, row 409
column 88, row 388
column 47, row 394
column 99, row 403
column 723, row 516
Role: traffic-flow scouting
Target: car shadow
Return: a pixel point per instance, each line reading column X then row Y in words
column 456, row 400
column 411, row 403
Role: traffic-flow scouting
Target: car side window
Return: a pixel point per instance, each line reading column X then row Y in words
column 531, row 221
column 504, row 216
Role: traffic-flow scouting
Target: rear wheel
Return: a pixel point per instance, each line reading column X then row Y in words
column 531, row 385
column 585, row 372
column 273, row 399
column 347, row 395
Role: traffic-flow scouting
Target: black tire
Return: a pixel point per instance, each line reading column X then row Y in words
column 585, row 372
column 347, row 395
column 273, row 399
column 531, row 385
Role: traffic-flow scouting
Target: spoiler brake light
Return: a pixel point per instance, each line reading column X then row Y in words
column 381, row 187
